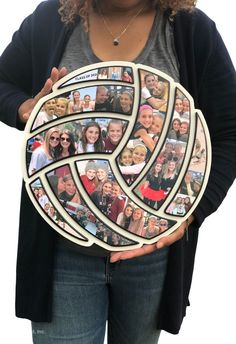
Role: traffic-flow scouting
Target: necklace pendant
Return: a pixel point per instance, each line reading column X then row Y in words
column 116, row 41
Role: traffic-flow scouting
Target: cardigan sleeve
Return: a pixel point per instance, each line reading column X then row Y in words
column 217, row 100
column 27, row 61
column 15, row 75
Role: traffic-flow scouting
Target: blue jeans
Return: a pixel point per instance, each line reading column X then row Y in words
column 88, row 291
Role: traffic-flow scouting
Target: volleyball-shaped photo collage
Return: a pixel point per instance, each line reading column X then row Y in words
column 116, row 155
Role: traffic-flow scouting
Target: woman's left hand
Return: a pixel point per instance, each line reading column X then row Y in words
column 146, row 249
column 27, row 106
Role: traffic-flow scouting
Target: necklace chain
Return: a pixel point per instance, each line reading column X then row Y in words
column 116, row 39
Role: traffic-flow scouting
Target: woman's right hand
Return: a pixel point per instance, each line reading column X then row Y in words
column 26, row 108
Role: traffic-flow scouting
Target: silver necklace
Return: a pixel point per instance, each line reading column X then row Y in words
column 116, row 39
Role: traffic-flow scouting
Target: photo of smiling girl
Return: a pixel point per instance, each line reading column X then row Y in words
column 102, row 173
column 67, row 144
column 61, row 107
column 174, row 131
column 124, row 218
column 118, row 202
column 152, row 92
column 143, row 124
column 47, row 152
column 89, row 179
column 124, row 102
column 152, row 229
column 183, row 131
column 151, row 188
column 114, row 134
column 91, row 140
column 102, row 198
column 75, row 104
column 137, row 221
column 131, row 169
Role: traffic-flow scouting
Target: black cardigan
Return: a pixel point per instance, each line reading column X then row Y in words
column 206, row 71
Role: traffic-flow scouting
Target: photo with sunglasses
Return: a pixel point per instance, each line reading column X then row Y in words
column 46, row 152
column 67, row 144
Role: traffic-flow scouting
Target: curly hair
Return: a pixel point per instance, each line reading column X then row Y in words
column 71, row 9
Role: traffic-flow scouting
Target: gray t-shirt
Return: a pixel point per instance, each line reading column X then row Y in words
column 159, row 51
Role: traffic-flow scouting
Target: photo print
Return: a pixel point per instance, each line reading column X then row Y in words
column 193, row 179
column 118, row 73
column 189, row 190
column 67, row 193
column 108, row 197
column 154, row 91
column 71, row 139
column 182, row 107
column 124, row 74
column 50, row 211
column 141, row 143
column 148, row 126
column 161, row 177
column 101, row 98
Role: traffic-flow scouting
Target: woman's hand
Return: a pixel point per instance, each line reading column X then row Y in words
column 146, row 249
column 26, row 108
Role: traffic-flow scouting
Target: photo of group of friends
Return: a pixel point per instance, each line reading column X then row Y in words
column 106, row 194
column 147, row 128
column 142, row 142
column 118, row 73
column 103, row 98
column 66, row 192
column 45, row 203
column 161, row 177
column 193, row 179
column 189, row 190
column 96, row 135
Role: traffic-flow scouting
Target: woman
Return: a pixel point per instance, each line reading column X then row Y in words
column 89, row 178
column 101, row 174
column 169, row 176
column 75, row 105
column 91, row 140
column 102, row 198
column 87, row 104
column 152, row 229
column 47, row 152
column 65, row 149
column 125, row 102
column 197, row 58
column 151, row 189
column 67, row 144
column 142, row 127
column 124, row 218
column 61, row 108
column 137, row 222
column 126, row 77
column 117, row 203
column 102, row 74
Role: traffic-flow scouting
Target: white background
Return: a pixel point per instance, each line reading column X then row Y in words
column 211, row 317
